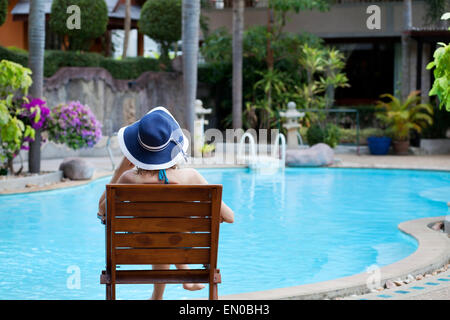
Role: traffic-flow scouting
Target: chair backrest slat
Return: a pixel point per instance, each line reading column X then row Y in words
column 163, row 224
column 163, row 209
column 163, row 240
column 154, row 193
column 162, row 256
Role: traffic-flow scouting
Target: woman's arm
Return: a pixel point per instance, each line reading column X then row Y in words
column 226, row 214
column 124, row 166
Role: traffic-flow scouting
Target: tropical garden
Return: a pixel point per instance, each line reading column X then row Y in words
column 252, row 75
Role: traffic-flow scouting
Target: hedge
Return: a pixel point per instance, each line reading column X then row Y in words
column 129, row 68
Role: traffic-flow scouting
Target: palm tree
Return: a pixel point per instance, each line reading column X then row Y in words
column 190, row 28
column 407, row 25
column 238, row 29
column 36, row 41
column 127, row 25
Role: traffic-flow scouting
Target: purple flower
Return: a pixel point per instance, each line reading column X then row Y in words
column 75, row 125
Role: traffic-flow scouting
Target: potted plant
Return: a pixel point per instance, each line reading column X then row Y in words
column 207, row 150
column 403, row 116
column 379, row 143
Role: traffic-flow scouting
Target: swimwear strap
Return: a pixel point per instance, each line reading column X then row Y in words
column 162, row 176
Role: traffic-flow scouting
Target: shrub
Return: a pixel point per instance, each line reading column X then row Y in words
column 130, row 68
column 75, row 125
column 3, row 11
column 56, row 59
column 14, row 80
column 161, row 21
column 315, row 134
column 330, row 135
column 94, row 20
column 35, row 113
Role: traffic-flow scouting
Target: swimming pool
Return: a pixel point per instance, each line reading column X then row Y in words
column 297, row 227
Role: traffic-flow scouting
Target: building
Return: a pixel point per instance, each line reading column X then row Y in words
column 15, row 30
column 373, row 55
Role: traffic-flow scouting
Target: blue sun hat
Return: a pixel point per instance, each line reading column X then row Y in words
column 154, row 142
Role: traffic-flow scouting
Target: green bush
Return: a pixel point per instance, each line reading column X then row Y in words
column 348, row 136
column 161, row 21
column 315, row 135
column 330, row 135
column 12, row 55
column 130, row 68
column 56, row 59
column 94, row 20
column 3, row 11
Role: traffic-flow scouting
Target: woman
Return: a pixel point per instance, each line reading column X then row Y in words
column 153, row 148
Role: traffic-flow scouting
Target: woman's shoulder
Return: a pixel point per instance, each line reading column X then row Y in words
column 128, row 176
column 190, row 176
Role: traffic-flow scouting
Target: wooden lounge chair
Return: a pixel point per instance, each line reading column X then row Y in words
column 162, row 224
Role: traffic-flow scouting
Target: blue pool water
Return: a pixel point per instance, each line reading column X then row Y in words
column 301, row 226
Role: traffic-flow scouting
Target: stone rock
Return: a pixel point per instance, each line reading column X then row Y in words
column 77, row 169
column 390, row 284
column 447, row 224
column 398, row 283
column 438, row 226
column 419, row 277
column 408, row 279
column 316, row 156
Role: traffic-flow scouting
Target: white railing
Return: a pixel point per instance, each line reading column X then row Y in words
column 252, row 145
column 276, row 148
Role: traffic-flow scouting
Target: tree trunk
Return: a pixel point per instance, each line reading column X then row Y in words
column 36, row 41
column 190, row 28
column 238, row 29
column 407, row 25
column 126, row 30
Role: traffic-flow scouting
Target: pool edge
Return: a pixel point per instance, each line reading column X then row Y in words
column 433, row 252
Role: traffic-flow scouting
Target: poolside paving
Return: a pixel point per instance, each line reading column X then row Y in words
column 435, row 287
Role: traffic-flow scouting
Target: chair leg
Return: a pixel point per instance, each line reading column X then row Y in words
column 213, row 294
column 110, row 292
column 113, row 291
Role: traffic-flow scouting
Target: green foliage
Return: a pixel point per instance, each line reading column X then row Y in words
column 129, row 68
column 3, row 11
column 217, row 46
column 94, row 21
column 349, row 135
column 56, row 59
column 331, row 135
column 441, row 63
column 435, row 9
column 161, row 21
column 315, row 135
column 14, row 80
column 403, row 116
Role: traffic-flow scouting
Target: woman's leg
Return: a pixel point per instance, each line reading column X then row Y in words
column 189, row 286
column 158, row 288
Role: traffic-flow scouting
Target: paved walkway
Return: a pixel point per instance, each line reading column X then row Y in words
column 429, row 288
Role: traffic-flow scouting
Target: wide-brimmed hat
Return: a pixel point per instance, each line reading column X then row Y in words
column 154, row 142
